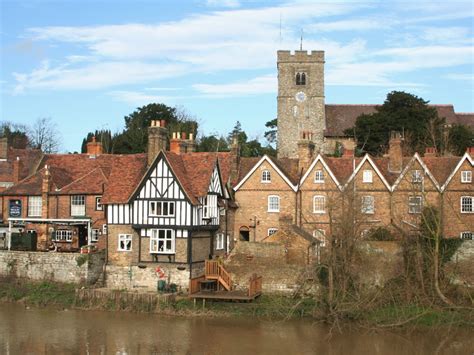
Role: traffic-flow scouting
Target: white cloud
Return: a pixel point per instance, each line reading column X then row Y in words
column 459, row 76
column 138, row 98
column 260, row 85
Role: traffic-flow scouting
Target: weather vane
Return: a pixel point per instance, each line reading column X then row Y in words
column 301, row 42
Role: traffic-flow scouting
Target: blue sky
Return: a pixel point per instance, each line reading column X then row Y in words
column 87, row 64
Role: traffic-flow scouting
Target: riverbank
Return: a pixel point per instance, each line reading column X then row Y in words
column 66, row 296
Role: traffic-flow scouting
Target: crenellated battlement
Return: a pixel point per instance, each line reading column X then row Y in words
column 301, row 56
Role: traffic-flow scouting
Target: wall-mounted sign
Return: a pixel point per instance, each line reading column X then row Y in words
column 14, row 209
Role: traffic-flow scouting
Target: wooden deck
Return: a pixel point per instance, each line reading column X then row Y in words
column 224, row 295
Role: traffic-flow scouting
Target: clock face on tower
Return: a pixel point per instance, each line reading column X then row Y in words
column 300, row 96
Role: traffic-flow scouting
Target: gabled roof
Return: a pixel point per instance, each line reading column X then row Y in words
column 319, row 158
column 466, row 157
column 92, row 182
column 441, row 167
column 277, row 165
column 416, row 158
column 368, row 159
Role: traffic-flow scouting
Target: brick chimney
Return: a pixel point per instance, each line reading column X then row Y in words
column 94, row 147
column 305, row 150
column 182, row 143
column 470, row 151
column 430, row 152
column 235, row 159
column 45, row 186
column 157, row 139
column 348, row 153
column 395, row 155
column 17, row 166
column 3, row 148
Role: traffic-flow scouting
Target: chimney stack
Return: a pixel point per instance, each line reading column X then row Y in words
column 430, row 152
column 157, row 139
column 395, row 155
column 17, row 166
column 3, row 148
column 45, row 192
column 305, row 150
column 470, row 151
column 180, row 143
column 94, row 147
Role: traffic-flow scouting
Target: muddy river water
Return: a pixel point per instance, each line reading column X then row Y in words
column 49, row 331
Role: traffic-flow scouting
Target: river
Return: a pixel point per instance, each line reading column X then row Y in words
column 50, row 331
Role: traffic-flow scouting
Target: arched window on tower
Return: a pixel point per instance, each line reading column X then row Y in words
column 300, row 78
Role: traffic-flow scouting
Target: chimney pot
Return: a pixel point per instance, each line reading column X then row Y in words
column 183, row 135
column 163, row 123
column 191, row 136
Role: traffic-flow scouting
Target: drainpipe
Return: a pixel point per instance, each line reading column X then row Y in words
column 9, row 235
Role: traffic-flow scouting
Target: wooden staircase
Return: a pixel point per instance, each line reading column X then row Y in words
column 215, row 271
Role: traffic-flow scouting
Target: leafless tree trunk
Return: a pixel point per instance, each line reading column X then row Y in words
column 44, row 135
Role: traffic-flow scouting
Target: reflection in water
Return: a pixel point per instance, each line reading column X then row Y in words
column 46, row 331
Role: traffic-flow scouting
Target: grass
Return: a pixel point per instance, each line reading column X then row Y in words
column 41, row 293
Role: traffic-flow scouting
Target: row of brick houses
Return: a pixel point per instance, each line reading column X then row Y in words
column 388, row 192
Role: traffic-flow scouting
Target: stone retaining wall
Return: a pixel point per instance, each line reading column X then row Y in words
column 146, row 276
column 81, row 269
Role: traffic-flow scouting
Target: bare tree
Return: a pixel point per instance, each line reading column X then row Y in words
column 44, row 135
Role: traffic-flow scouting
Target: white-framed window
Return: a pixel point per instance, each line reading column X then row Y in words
column 98, row 203
column 271, row 231
column 416, row 176
column 367, row 176
column 415, row 204
column 320, row 235
column 162, row 241
column 94, row 235
column 319, row 204
column 273, row 203
column 78, row 205
column 368, row 205
column 466, row 176
column 35, row 204
column 220, row 241
column 319, row 177
column 63, row 235
column 467, row 203
column 467, row 235
column 266, row 176
column 124, row 242
column 161, row 209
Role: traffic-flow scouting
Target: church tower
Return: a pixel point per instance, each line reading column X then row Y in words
column 301, row 114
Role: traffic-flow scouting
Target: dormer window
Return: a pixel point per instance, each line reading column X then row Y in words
column 319, row 177
column 300, row 78
column 367, row 176
column 266, row 177
column 416, row 177
column 209, row 207
column 466, row 176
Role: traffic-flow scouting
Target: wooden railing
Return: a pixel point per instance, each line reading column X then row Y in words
column 194, row 284
column 214, row 270
column 255, row 285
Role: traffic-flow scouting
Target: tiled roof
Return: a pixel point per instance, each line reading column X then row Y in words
column 441, row 167
column 225, row 161
column 92, row 183
column 29, row 160
column 289, row 167
column 125, row 175
column 29, row 186
column 341, row 117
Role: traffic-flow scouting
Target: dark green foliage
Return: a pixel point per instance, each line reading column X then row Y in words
column 401, row 112
column 16, row 134
column 103, row 136
column 271, row 134
column 212, row 143
column 460, row 138
column 381, row 234
column 251, row 148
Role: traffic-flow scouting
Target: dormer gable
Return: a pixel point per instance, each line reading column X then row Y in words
column 466, row 163
column 415, row 176
column 254, row 176
column 319, row 173
column 366, row 181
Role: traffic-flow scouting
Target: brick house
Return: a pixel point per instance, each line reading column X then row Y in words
column 61, row 200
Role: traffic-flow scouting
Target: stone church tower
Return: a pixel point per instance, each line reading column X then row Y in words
column 301, row 115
